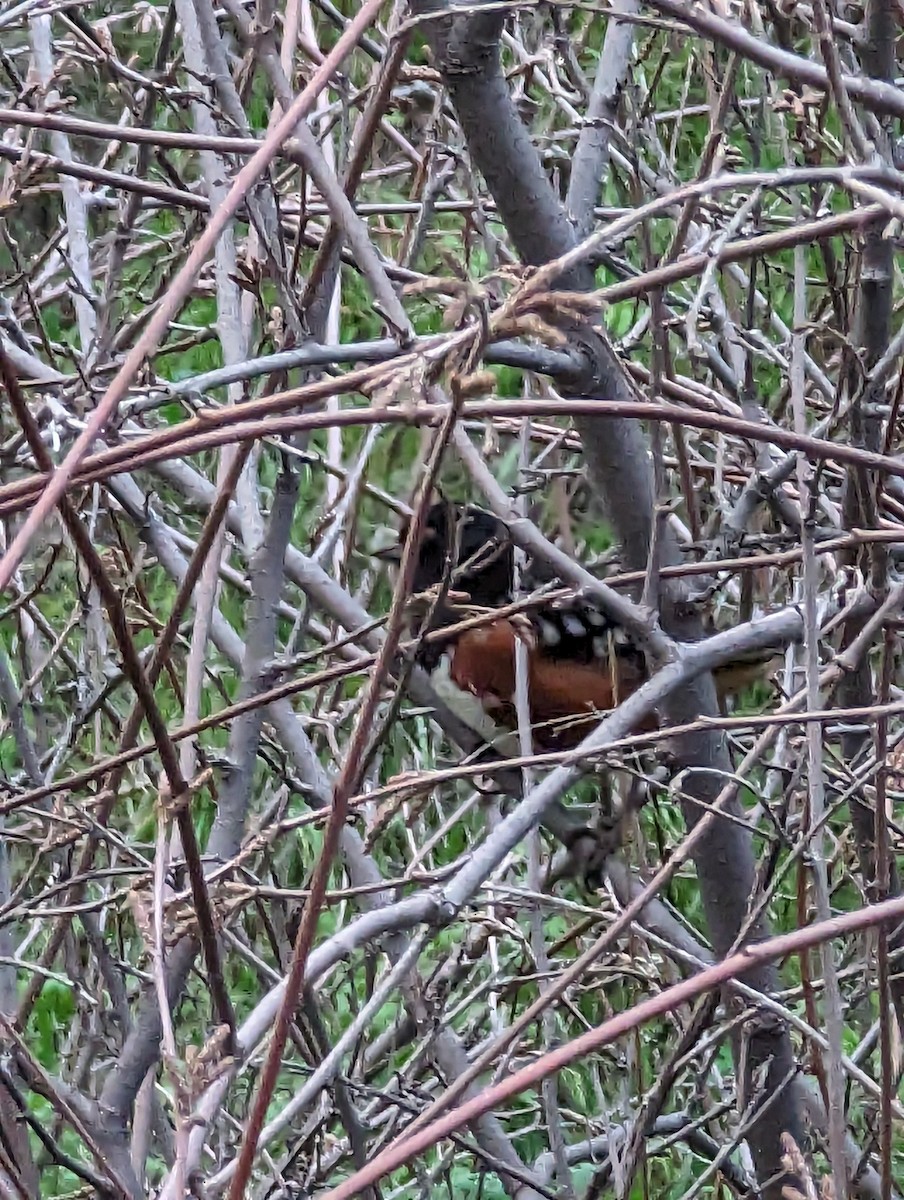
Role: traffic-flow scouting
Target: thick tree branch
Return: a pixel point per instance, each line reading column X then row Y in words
column 617, row 459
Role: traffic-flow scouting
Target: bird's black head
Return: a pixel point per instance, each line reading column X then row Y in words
column 470, row 542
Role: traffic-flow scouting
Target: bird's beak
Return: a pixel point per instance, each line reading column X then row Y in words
column 388, row 548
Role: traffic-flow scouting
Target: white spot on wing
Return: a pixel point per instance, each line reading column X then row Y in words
column 574, row 626
column 549, row 634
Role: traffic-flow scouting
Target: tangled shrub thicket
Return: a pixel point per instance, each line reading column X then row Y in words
column 627, row 273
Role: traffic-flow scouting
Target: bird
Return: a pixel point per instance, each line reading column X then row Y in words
column 580, row 664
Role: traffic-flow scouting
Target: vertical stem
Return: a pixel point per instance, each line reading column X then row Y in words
column 832, row 992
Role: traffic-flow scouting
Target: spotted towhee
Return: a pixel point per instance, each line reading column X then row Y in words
column 580, row 665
